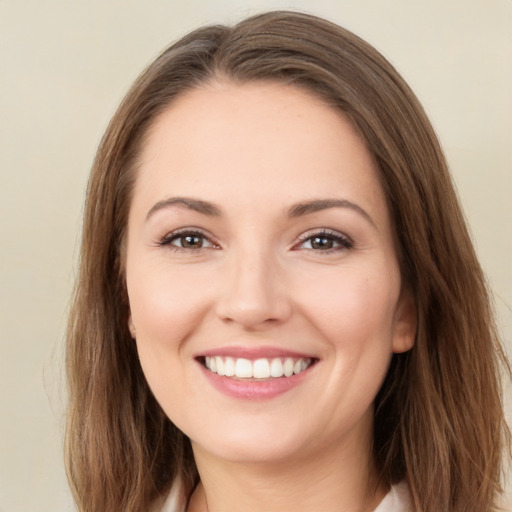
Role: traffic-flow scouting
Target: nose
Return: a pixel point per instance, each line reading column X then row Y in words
column 253, row 292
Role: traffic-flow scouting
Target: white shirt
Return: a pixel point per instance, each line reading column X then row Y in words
column 397, row 500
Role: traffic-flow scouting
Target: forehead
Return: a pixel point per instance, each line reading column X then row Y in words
column 261, row 141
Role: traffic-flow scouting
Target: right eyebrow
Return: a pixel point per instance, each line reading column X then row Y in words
column 190, row 203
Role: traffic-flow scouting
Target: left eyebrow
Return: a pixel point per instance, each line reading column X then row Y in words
column 316, row 205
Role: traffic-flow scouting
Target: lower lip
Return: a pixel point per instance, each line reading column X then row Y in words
column 254, row 389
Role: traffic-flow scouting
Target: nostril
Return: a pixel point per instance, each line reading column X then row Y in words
column 255, row 314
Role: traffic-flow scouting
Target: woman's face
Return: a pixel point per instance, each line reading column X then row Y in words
column 260, row 245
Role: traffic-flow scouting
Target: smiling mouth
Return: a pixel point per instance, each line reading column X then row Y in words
column 258, row 369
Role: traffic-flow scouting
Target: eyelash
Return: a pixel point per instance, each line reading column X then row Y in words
column 334, row 236
column 182, row 233
column 344, row 243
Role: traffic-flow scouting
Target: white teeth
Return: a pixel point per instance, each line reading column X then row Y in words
column 229, row 367
column 276, row 368
column 220, row 365
column 288, row 367
column 259, row 369
column 243, row 369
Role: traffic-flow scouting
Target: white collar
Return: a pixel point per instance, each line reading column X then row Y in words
column 397, row 500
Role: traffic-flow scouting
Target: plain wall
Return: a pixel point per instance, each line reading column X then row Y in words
column 65, row 67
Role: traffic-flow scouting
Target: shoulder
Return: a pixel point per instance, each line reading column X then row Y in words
column 397, row 500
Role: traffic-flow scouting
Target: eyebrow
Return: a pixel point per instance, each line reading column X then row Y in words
column 204, row 207
column 307, row 207
column 296, row 210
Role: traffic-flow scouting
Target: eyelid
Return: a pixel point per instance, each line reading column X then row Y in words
column 167, row 239
column 344, row 242
column 339, row 237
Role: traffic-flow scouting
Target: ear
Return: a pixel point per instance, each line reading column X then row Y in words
column 405, row 322
column 131, row 327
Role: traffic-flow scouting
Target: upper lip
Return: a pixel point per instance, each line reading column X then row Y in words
column 253, row 353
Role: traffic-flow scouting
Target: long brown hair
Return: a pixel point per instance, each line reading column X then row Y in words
column 439, row 419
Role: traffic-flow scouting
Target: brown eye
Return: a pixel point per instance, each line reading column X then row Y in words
column 189, row 241
column 322, row 242
column 326, row 242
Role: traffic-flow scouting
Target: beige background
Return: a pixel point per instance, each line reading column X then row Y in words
column 64, row 66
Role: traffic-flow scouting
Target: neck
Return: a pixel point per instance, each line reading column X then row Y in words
column 333, row 480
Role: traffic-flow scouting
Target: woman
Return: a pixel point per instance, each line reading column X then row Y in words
column 278, row 305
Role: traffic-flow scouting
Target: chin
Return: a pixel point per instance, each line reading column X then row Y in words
column 251, row 451
column 258, row 442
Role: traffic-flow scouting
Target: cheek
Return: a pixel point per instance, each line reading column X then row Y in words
column 355, row 310
column 165, row 305
column 165, row 309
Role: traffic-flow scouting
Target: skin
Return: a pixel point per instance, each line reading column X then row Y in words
column 254, row 278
